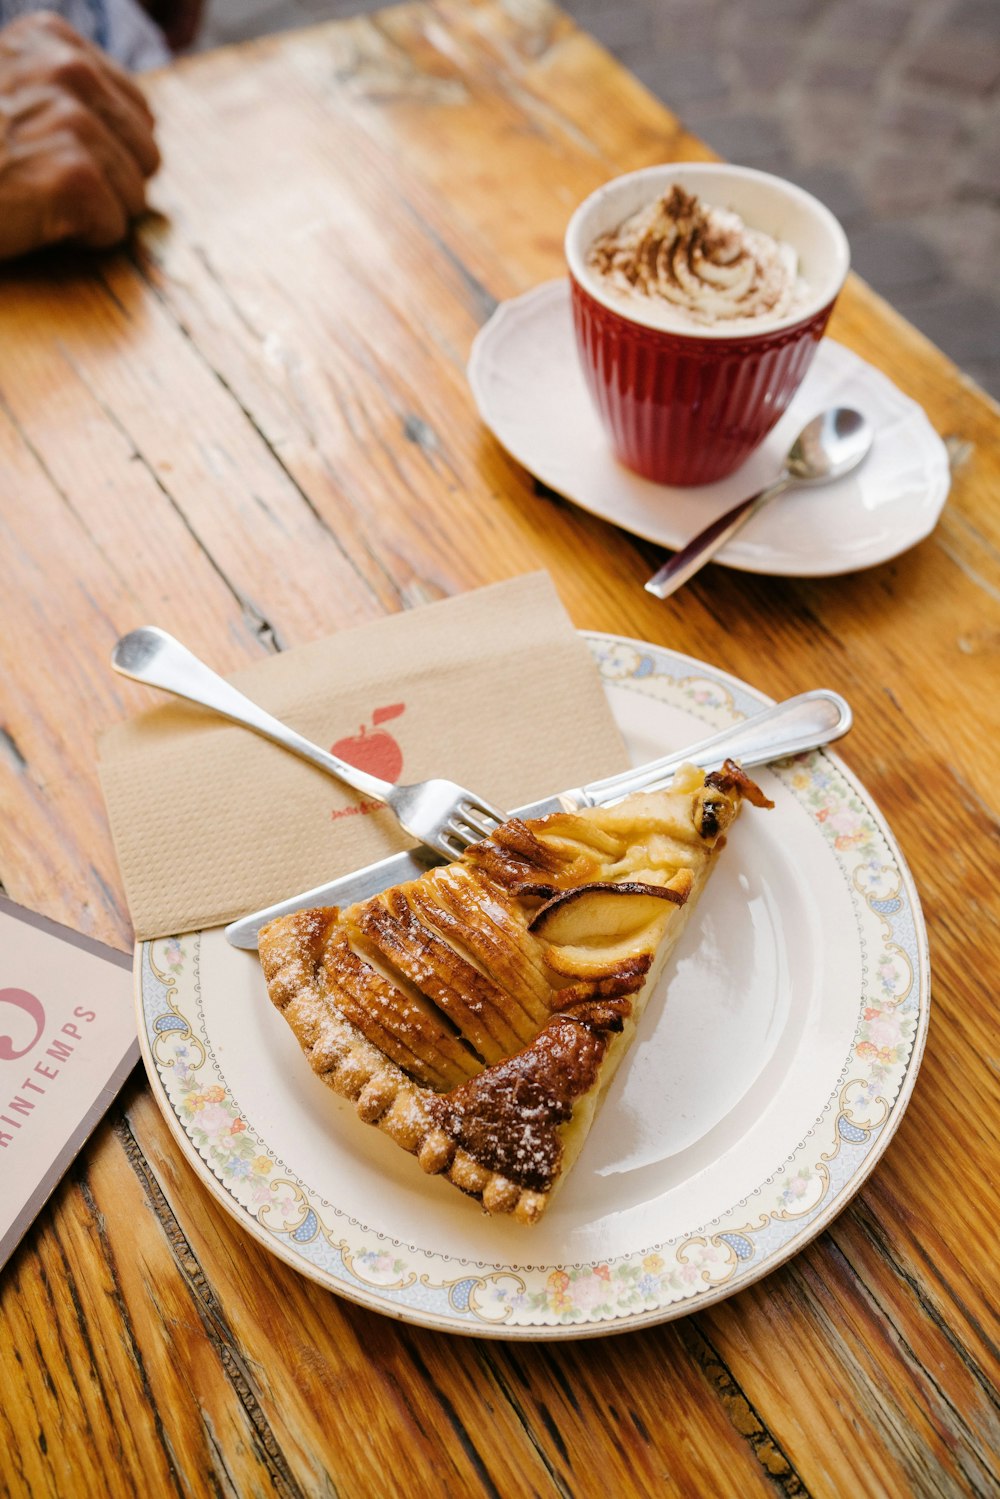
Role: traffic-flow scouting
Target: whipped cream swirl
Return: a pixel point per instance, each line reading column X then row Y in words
column 695, row 265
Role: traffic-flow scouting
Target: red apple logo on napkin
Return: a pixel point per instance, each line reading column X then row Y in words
column 372, row 749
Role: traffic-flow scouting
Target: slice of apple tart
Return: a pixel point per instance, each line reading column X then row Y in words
column 477, row 1014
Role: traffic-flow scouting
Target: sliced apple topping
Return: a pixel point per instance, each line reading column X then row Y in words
column 602, row 911
column 598, row 929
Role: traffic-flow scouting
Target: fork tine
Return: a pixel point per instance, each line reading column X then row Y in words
column 443, row 815
column 470, row 822
column 458, row 829
column 487, row 809
column 452, row 841
column 481, row 816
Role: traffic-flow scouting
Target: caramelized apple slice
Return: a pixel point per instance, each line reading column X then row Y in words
column 598, row 929
column 602, row 912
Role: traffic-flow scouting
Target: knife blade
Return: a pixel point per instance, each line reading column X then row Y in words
column 804, row 722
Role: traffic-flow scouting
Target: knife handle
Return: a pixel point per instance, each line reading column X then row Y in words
column 799, row 723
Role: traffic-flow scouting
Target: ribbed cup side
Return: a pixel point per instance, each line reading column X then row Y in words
column 685, row 410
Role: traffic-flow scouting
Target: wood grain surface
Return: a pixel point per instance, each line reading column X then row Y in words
column 253, row 426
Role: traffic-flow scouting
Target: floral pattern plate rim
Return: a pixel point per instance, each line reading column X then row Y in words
column 773, row 1065
column 524, row 374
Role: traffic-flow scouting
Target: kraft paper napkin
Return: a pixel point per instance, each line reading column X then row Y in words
column 493, row 689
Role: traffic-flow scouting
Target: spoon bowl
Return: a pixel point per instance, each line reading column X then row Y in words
column 828, row 447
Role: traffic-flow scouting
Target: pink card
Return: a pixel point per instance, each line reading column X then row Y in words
column 67, row 1043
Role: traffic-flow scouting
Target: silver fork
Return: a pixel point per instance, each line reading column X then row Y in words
column 439, row 813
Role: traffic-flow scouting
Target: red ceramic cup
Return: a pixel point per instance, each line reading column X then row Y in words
column 688, row 408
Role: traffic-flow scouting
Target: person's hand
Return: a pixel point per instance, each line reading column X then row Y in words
column 76, row 140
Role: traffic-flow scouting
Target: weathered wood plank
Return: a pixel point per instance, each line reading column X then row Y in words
column 820, row 1328
column 112, row 1380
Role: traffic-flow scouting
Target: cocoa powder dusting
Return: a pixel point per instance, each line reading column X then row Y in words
column 507, row 1117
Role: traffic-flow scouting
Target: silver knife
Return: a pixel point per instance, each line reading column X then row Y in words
column 800, row 723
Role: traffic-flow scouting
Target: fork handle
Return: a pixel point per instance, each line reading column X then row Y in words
column 152, row 656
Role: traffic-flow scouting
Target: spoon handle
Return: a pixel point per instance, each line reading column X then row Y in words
column 692, row 558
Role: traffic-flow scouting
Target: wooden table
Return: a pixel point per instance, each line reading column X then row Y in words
column 254, row 427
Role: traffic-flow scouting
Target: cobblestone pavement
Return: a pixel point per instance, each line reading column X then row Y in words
column 888, row 110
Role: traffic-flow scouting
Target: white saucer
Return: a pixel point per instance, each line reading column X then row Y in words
column 527, row 383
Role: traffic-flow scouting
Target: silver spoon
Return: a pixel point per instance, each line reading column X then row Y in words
column 828, row 447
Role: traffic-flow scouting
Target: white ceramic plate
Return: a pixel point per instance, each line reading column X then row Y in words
column 772, row 1066
column 527, row 383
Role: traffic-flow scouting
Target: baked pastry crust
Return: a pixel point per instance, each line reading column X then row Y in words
column 477, row 1015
